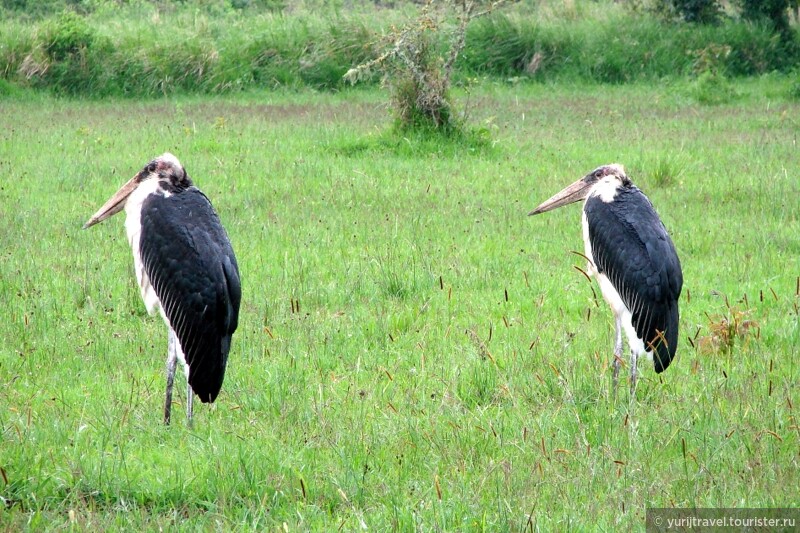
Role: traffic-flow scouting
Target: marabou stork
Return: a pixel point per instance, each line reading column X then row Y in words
column 185, row 268
column 632, row 256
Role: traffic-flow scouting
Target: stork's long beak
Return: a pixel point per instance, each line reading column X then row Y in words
column 572, row 193
column 115, row 204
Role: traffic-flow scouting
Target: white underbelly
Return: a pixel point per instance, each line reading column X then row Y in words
column 133, row 229
column 621, row 313
column 612, row 297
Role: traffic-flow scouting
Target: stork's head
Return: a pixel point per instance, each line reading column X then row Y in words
column 602, row 180
column 165, row 169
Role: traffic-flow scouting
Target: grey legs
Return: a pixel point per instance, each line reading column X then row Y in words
column 172, row 363
column 617, row 353
column 618, row 357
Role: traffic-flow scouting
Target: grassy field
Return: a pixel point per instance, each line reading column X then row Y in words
column 414, row 352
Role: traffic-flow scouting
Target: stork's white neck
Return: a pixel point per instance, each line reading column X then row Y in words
column 605, row 189
column 133, row 228
column 137, row 197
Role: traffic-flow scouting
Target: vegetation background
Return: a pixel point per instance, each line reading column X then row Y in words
column 414, row 353
column 146, row 48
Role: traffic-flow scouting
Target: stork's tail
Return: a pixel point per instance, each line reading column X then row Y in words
column 206, row 381
column 667, row 345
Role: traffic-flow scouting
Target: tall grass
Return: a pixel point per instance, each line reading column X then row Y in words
column 615, row 49
column 140, row 50
column 413, row 352
column 180, row 52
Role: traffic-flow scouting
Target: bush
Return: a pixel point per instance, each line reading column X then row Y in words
column 37, row 9
column 115, row 52
column 507, row 45
column 418, row 63
column 499, row 45
column 774, row 11
column 67, row 36
column 794, row 89
column 72, row 60
column 700, row 11
column 713, row 88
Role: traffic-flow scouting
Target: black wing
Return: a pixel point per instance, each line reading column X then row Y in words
column 633, row 249
column 189, row 260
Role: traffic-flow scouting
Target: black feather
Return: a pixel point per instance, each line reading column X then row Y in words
column 192, row 268
column 633, row 249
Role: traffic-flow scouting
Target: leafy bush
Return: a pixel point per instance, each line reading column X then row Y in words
column 419, row 60
column 138, row 50
column 794, row 90
column 501, row 45
column 712, row 85
column 713, row 88
column 509, row 45
column 67, row 36
column 774, row 11
column 701, row 11
column 70, row 60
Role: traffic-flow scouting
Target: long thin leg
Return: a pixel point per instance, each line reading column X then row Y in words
column 189, row 399
column 617, row 353
column 172, row 362
column 634, row 370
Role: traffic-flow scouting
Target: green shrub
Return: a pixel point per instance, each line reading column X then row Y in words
column 508, row 45
column 418, row 61
column 326, row 61
column 499, row 45
column 666, row 171
column 794, row 90
column 412, row 112
column 774, row 11
column 8, row 89
column 713, row 88
column 138, row 50
column 701, row 11
column 68, row 35
column 72, row 56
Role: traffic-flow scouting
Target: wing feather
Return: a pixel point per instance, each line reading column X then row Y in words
column 191, row 265
column 633, row 249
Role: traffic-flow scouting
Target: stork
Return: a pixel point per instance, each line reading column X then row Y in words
column 186, row 269
column 632, row 257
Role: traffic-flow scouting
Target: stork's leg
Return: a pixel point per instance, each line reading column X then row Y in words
column 634, row 370
column 617, row 352
column 189, row 399
column 172, row 362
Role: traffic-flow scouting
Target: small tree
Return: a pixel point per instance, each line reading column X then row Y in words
column 419, row 60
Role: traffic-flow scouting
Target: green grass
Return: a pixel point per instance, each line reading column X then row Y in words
column 414, row 352
column 151, row 49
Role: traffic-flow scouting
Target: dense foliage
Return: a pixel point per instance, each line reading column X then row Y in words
column 142, row 48
column 774, row 11
column 702, row 11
